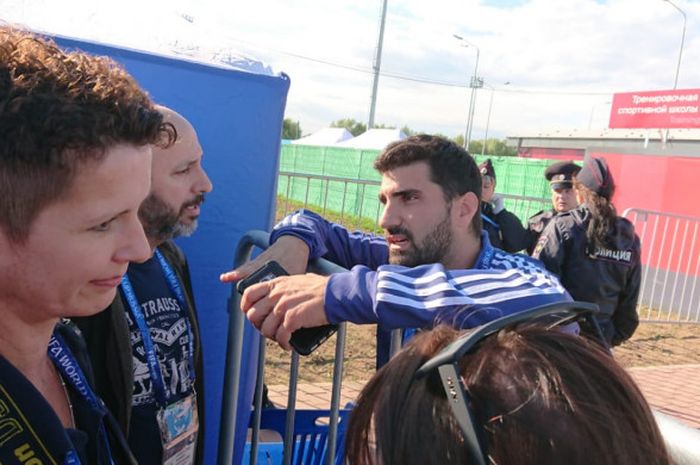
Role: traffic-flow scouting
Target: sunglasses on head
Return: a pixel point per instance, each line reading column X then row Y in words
column 447, row 361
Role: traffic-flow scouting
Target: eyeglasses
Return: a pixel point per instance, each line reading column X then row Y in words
column 447, row 361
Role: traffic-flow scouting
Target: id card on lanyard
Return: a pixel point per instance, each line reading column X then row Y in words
column 177, row 420
column 66, row 364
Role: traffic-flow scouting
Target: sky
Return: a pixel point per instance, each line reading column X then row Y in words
column 548, row 65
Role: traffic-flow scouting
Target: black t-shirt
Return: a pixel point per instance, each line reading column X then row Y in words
column 168, row 322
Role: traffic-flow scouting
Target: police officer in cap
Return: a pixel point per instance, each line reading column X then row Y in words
column 503, row 227
column 561, row 180
column 596, row 253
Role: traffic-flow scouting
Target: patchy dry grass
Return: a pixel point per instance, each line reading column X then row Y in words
column 661, row 344
column 653, row 344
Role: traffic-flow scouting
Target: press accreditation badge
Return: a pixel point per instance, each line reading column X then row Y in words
column 179, row 424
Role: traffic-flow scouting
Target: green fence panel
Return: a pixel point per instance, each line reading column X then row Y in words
column 515, row 176
column 519, row 176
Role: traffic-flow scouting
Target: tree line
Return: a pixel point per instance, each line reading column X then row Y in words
column 292, row 130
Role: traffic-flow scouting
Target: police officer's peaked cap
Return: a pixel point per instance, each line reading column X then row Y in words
column 596, row 176
column 486, row 168
column 561, row 174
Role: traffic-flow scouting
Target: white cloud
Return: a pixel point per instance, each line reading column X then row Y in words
column 563, row 58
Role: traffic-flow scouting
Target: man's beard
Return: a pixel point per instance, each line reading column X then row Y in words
column 162, row 222
column 433, row 249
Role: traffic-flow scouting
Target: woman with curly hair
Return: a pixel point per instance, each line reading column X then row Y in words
column 75, row 165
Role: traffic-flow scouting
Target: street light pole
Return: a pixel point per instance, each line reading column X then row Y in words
column 680, row 53
column 488, row 120
column 377, row 66
column 473, row 84
column 488, row 116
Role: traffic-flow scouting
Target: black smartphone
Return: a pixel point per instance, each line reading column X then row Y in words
column 270, row 270
column 304, row 340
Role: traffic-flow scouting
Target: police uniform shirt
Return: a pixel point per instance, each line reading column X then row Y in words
column 168, row 324
column 536, row 225
column 609, row 277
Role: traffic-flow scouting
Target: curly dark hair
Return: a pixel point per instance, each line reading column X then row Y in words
column 59, row 110
column 451, row 167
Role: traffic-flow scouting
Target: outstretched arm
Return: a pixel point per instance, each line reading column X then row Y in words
column 305, row 235
column 332, row 241
column 396, row 297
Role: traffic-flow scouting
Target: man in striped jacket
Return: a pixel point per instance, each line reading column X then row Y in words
column 433, row 265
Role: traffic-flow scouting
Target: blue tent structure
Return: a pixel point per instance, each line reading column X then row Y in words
column 238, row 116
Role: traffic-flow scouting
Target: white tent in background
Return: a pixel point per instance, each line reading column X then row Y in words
column 325, row 136
column 374, row 139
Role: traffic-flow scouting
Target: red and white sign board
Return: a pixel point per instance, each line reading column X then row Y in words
column 662, row 109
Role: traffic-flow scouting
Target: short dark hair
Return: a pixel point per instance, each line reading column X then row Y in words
column 451, row 166
column 59, row 110
column 540, row 395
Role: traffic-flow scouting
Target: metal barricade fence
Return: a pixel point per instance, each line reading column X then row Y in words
column 359, row 198
column 345, row 196
column 653, row 228
column 670, row 290
column 232, row 431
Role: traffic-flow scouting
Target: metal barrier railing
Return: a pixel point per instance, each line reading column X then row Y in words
column 681, row 440
column 670, row 290
column 355, row 197
column 359, row 198
column 230, row 427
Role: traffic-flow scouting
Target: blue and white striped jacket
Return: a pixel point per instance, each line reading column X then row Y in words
column 399, row 297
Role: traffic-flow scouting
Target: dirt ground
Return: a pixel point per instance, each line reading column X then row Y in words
column 652, row 344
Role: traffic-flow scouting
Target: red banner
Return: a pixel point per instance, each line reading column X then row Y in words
column 662, row 109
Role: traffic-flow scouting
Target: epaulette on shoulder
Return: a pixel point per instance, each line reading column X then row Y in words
column 565, row 219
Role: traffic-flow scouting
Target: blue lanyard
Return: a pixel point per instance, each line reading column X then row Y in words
column 175, row 286
column 490, row 221
column 151, row 357
column 483, row 261
column 66, row 364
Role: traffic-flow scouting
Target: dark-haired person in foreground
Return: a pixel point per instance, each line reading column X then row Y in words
column 75, row 164
column 154, row 315
column 433, row 265
column 538, row 397
column 596, row 253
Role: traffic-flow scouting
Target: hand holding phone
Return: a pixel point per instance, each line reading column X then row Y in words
column 269, row 271
column 304, row 340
